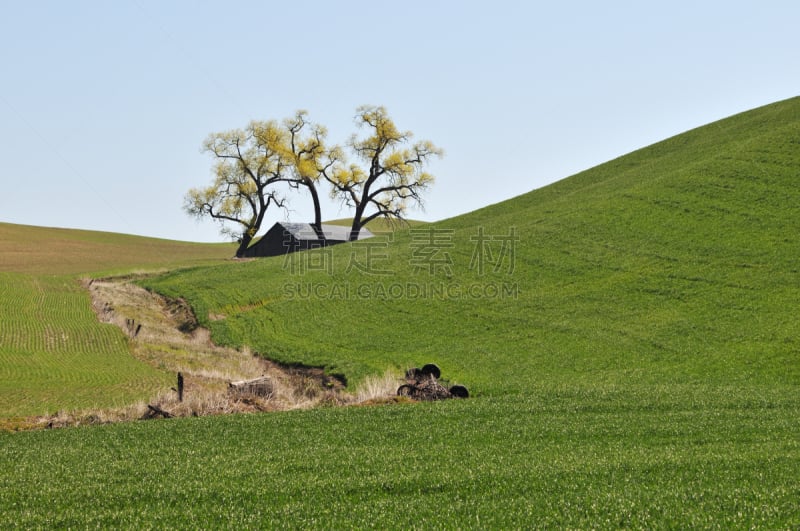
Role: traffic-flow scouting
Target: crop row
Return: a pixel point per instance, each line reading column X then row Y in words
column 55, row 354
column 53, row 315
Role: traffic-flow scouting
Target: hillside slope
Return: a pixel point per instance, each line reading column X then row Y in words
column 674, row 264
column 54, row 251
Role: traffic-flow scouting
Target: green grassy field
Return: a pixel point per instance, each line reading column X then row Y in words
column 54, row 354
column 628, row 335
column 53, row 251
column 568, row 459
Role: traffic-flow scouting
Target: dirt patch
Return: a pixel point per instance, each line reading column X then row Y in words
column 181, row 314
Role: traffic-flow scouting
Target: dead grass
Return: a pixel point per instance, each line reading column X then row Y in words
column 154, row 327
column 377, row 387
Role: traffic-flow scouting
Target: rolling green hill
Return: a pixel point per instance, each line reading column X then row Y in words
column 676, row 264
column 55, row 251
column 628, row 335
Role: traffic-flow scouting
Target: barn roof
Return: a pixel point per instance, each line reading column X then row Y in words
column 304, row 231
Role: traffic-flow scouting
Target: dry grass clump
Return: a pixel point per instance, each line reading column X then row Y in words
column 377, row 388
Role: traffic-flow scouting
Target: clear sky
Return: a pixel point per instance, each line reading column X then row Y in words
column 104, row 104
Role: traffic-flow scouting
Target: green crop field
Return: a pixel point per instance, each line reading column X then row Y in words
column 545, row 459
column 54, row 353
column 628, row 335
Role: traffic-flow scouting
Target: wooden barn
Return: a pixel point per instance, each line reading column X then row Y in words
column 285, row 238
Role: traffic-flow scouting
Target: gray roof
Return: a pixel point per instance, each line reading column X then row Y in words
column 304, row 231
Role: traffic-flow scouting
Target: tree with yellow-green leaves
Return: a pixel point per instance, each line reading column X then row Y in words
column 311, row 160
column 249, row 162
column 392, row 174
column 252, row 163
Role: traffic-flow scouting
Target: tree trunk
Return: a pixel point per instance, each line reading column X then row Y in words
column 355, row 229
column 317, row 211
column 244, row 243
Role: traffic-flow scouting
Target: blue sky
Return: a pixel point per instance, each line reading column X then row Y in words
column 104, row 105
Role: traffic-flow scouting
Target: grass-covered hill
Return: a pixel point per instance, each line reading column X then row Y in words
column 633, row 358
column 676, row 264
column 54, row 354
column 54, row 251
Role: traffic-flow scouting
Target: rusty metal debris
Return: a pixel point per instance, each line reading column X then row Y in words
column 423, row 384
